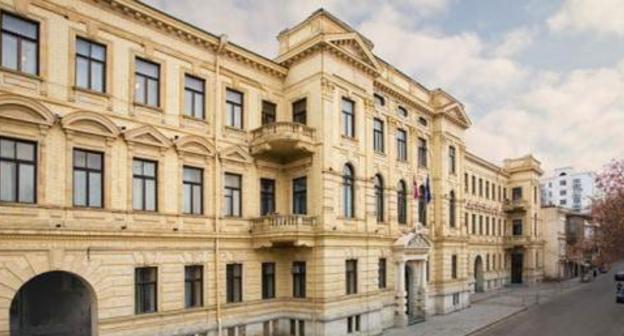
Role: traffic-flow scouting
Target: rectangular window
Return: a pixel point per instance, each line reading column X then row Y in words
column 474, row 185
column 378, row 135
column 233, row 195
column 268, row 280
column 234, row 108
column 234, row 283
column 487, row 189
column 147, row 83
column 300, row 187
column 454, row 266
column 145, row 285
column 299, row 279
column 455, row 299
column 353, row 324
column 422, row 152
column 267, row 196
column 297, row 327
column 480, row 187
column 144, row 185
column 474, row 224
column 193, row 185
column 452, row 161
column 348, row 118
column 382, row 273
column 480, row 224
column 299, row 111
column 18, row 171
column 90, row 65
column 466, row 183
column 487, row 225
column 88, row 178
column 194, row 97
column 401, row 137
column 193, row 286
column 20, row 44
column 351, row 276
column 269, row 112
column 517, row 227
column 516, row 194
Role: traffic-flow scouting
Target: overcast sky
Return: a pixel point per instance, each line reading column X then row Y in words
column 536, row 76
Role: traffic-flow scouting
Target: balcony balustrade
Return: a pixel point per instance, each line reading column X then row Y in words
column 282, row 142
column 283, row 230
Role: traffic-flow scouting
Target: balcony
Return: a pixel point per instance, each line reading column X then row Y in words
column 518, row 205
column 282, row 142
column 517, row 241
column 283, row 231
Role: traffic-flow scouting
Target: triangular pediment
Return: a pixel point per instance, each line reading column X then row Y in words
column 147, row 135
column 457, row 113
column 236, row 154
column 353, row 45
column 195, row 145
column 90, row 123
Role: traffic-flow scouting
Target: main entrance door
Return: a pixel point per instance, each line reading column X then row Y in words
column 516, row 267
column 53, row 304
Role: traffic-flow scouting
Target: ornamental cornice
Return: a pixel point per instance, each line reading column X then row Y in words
column 402, row 96
column 190, row 34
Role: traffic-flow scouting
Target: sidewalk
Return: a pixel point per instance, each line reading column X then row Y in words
column 487, row 309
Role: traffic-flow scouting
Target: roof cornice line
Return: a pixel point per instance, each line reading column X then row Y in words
column 170, row 25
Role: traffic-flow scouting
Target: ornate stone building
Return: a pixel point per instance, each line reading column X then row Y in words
column 156, row 179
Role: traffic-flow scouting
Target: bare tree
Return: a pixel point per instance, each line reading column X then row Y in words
column 608, row 211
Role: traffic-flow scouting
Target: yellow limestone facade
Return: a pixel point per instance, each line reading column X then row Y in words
column 352, row 249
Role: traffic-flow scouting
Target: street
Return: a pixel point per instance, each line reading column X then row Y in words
column 589, row 310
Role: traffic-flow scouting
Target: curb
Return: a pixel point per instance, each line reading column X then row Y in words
column 501, row 320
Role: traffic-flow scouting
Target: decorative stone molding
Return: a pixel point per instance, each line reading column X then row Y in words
column 27, row 110
column 148, row 136
column 195, row 145
column 90, row 123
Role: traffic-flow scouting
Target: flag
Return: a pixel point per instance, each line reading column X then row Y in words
column 415, row 189
column 427, row 191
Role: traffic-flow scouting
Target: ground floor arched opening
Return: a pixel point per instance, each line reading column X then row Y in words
column 478, row 274
column 54, row 304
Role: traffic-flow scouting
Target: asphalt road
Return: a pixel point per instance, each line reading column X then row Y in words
column 586, row 311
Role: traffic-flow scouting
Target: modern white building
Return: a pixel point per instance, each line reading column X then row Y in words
column 569, row 189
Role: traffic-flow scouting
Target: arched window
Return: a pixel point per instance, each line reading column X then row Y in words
column 402, row 202
column 452, row 202
column 348, row 191
column 422, row 206
column 379, row 197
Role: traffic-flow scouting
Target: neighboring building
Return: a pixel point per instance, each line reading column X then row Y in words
column 568, row 242
column 569, row 189
column 158, row 180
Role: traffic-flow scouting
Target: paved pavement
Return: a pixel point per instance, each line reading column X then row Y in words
column 494, row 307
column 590, row 310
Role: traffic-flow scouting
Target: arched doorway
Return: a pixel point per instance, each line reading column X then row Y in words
column 478, row 274
column 54, row 303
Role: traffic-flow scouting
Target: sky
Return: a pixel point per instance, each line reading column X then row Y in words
column 535, row 76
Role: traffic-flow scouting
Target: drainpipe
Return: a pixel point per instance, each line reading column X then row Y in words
column 217, row 175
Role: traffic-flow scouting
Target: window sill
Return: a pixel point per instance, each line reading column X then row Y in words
column 19, row 204
column 91, row 92
column 194, row 119
column 234, row 129
column 22, row 74
column 150, row 108
column 349, row 138
column 382, row 154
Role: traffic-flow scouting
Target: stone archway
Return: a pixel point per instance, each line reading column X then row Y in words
column 54, row 303
column 478, row 274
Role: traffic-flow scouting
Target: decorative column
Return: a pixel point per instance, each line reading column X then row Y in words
column 422, row 290
column 400, row 297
